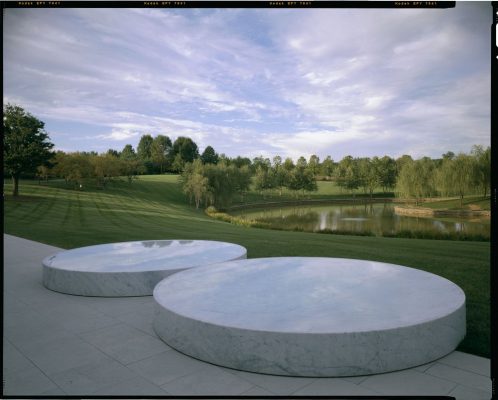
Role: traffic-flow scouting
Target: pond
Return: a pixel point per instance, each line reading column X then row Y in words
column 378, row 219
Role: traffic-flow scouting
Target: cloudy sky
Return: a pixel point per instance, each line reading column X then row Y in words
column 256, row 82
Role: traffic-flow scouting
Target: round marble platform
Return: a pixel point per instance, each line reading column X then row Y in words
column 310, row 316
column 130, row 268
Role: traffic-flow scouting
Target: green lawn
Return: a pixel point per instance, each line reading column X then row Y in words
column 153, row 207
column 469, row 203
column 326, row 190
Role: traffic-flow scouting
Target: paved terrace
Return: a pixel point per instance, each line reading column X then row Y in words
column 57, row 344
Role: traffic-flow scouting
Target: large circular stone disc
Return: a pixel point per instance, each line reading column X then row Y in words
column 310, row 316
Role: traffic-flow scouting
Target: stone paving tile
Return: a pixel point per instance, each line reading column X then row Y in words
column 424, row 367
column 13, row 359
column 468, row 362
column 53, row 392
column 355, row 379
column 110, row 335
column 166, row 366
column 62, row 354
column 209, row 381
column 460, row 376
column 466, row 393
column 279, row 385
column 334, row 387
column 257, row 391
column 89, row 378
column 408, row 383
column 75, row 383
column 42, row 299
column 28, row 333
column 142, row 320
column 27, row 382
column 116, row 306
column 78, row 319
column 135, row 349
column 131, row 387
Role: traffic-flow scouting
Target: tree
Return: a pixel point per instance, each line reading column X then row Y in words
column 242, row 180
column 73, row 167
column 482, row 170
column 222, row 183
column 314, row 164
column 178, row 163
column 209, row 156
column 346, row 174
column 186, row 148
column 160, row 151
column 131, row 166
column 195, row 184
column 26, row 145
column 241, row 161
column 368, row 174
column 42, row 172
column 328, row 167
column 288, row 164
column 113, row 153
column 301, row 162
column 262, row 162
column 223, row 158
column 417, row 179
column 449, row 155
column 262, row 179
column 106, row 167
column 401, row 161
column 144, row 148
column 280, row 175
column 456, row 174
column 387, row 172
column 302, row 178
column 128, row 153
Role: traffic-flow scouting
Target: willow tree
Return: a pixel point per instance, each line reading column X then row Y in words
column 195, row 184
column 456, row 176
column 416, row 179
column 482, row 167
column 26, row 145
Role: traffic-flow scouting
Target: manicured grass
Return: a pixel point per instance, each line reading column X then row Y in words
column 154, row 207
column 326, row 190
column 469, row 203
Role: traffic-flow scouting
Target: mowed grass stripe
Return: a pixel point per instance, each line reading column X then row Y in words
column 110, row 207
column 154, row 207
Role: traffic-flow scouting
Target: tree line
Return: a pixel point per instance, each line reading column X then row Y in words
column 215, row 179
column 452, row 175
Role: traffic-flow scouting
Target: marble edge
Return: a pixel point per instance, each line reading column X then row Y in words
column 386, row 330
column 45, row 260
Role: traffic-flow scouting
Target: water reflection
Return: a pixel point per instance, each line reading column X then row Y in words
column 378, row 219
column 164, row 243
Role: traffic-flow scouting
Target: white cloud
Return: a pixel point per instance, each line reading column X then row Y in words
column 119, row 135
column 263, row 81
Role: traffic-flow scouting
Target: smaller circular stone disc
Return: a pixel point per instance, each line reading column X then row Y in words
column 130, row 268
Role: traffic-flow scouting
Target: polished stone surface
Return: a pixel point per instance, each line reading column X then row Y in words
column 130, row 268
column 310, row 316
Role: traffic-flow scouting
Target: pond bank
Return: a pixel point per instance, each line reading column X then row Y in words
column 343, row 200
column 429, row 212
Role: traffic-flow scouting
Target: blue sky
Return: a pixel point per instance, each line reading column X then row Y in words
column 256, row 82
